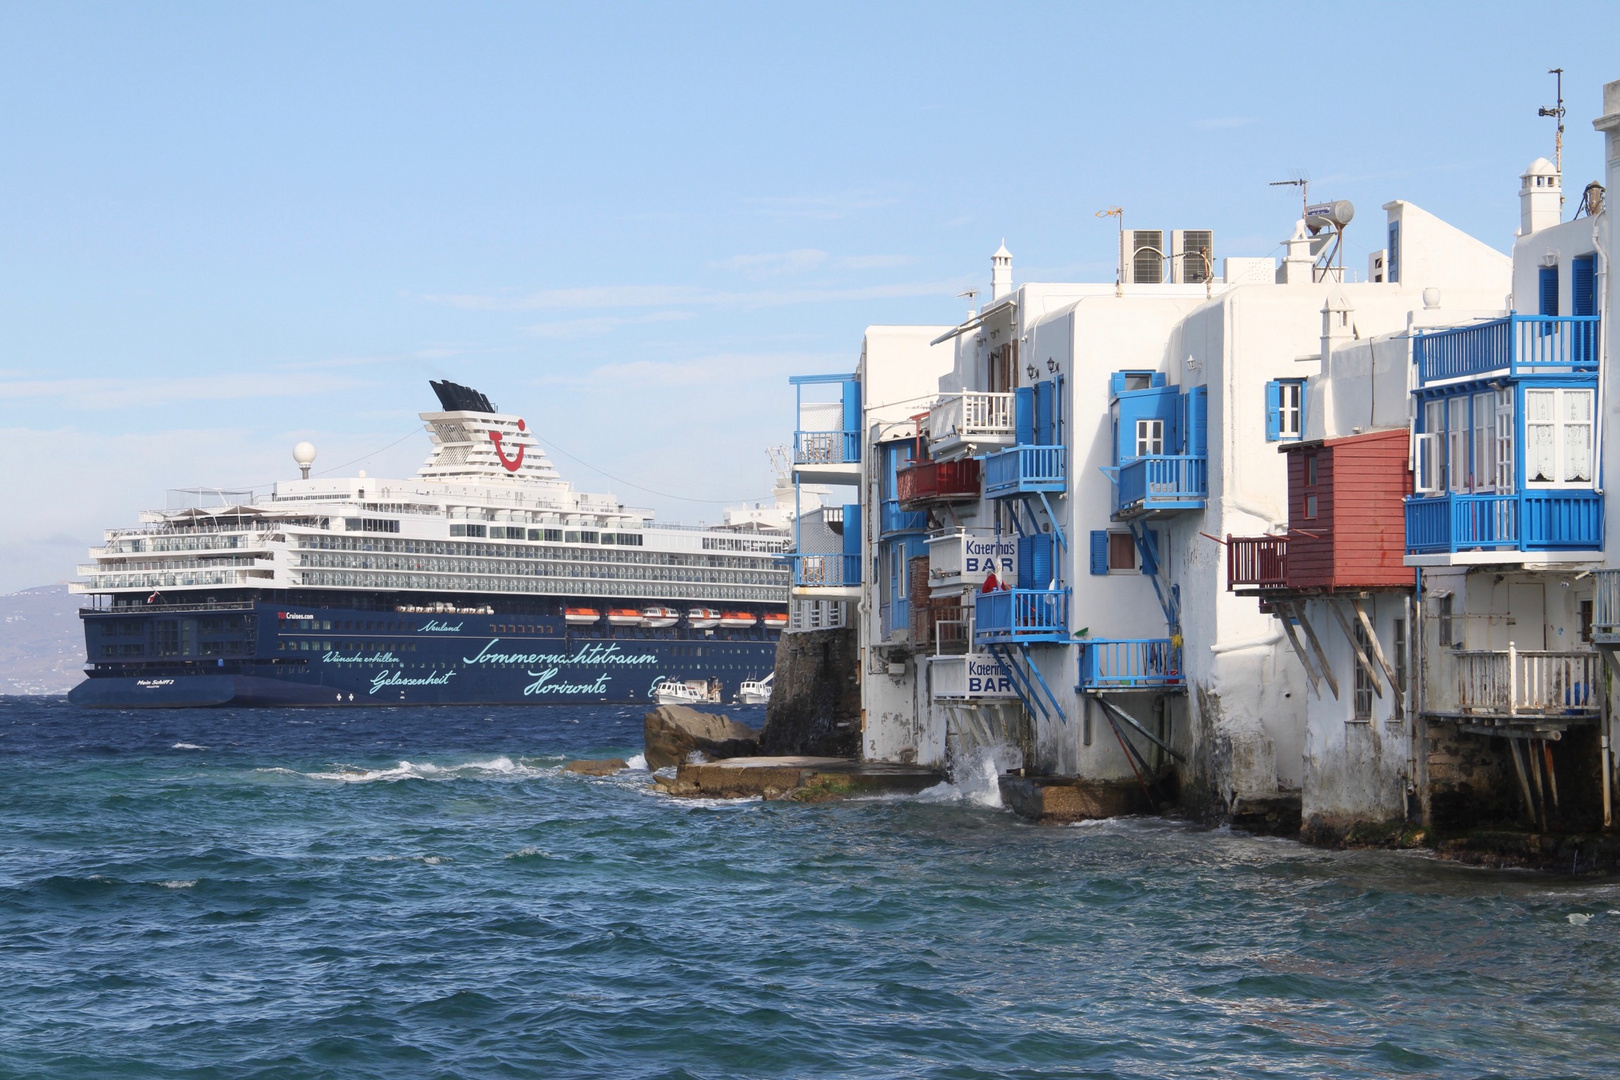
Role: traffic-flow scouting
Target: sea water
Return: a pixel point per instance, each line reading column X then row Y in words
column 425, row 893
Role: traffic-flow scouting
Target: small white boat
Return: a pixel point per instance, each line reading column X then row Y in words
column 581, row 616
column 702, row 618
column 657, row 618
column 737, row 620
column 756, row 691
column 775, row 620
column 692, row 692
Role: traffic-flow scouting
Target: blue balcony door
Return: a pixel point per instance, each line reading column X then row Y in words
column 1147, row 423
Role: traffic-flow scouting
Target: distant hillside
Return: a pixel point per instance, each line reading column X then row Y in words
column 41, row 643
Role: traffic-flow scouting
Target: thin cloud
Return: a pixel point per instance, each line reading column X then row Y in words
column 105, row 393
column 632, row 296
column 598, row 325
column 781, row 262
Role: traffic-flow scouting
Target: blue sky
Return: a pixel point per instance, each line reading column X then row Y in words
column 225, row 228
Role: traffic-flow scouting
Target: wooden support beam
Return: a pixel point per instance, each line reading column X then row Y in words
column 1355, row 650
column 1378, row 651
column 1287, row 617
column 1316, row 647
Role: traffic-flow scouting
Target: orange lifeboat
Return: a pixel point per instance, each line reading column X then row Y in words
column 737, row 620
column 702, row 618
column 581, row 616
column 624, row 617
column 776, row 620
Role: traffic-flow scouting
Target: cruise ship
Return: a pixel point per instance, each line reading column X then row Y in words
column 486, row 578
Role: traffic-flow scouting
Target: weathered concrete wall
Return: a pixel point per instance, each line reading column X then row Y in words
column 1471, row 779
column 816, row 704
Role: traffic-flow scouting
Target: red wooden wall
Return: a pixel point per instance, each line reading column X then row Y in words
column 1358, row 534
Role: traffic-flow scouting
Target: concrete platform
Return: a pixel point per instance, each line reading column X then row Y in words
column 809, row 779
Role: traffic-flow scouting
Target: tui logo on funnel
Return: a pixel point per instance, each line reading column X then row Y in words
column 510, row 464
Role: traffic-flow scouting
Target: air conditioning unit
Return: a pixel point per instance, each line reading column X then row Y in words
column 1188, row 250
column 1141, row 257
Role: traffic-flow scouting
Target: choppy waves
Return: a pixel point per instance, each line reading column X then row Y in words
column 412, row 893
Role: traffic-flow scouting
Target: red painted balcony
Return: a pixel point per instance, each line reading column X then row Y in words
column 1257, row 561
column 938, row 482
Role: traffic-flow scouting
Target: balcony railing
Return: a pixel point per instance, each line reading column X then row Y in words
column 940, row 625
column 1021, row 615
column 938, row 481
column 1025, row 469
column 1517, row 345
column 1162, row 482
column 1606, row 607
column 826, row 571
column 1139, row 662
column 1569, row 520
column 1256, row 560
column 972, row 416
column 826, row 447
column 1530, row 683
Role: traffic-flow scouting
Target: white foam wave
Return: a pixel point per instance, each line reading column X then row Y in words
column 178, row 884
column 527, row 853
column 1579, row 918
column 501, row 767
column 187, row 746
column 637, row 762
column 975, row 779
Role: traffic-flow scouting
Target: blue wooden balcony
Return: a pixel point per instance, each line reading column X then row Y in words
column 1161, row 483
column 826, row 448
column 1022, row 470
column 893, row 521
column 1528, row 521
column 1130, row 663
column 832, row 571
column 1511, row 347
column 1010, row 616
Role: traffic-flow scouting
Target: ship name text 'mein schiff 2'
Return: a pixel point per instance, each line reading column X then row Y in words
column 485, row 578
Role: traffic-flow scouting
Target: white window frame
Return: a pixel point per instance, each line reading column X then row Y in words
column 1484, row 471
column 1459, row 436
column 1149, row 435
column 1506, row 443
column 1560, row 425
column 1291, row 409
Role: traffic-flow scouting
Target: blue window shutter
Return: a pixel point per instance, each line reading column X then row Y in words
column 1304, row 415
column 1273, row 410
column 852, row 528
column 1099, row 551
column 1582, row 301
column 1043, row 413
column 1041, row 575
column 1024, row 416
column 1198, row 421
column 1392, row 261
column 1549, row 291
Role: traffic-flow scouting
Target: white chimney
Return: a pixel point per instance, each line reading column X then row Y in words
column 1000, row 272
column 1541, row 197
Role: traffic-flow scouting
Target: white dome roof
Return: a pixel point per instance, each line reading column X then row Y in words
column 1540, row 167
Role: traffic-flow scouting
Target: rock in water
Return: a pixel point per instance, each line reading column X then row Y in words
column 816, row 706
column 673, row 732
column 601, row 767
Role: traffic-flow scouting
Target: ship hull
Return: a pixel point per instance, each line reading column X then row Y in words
column 270, row 655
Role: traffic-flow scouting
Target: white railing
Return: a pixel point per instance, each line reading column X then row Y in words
column 971, row 415
column 1606, row 591
column 1511, row 682
column 807, row 615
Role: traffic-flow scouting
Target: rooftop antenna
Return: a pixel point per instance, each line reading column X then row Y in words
column 970, row 295
column 1557, row 112
column 1119, row 268
column 1302, row 182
